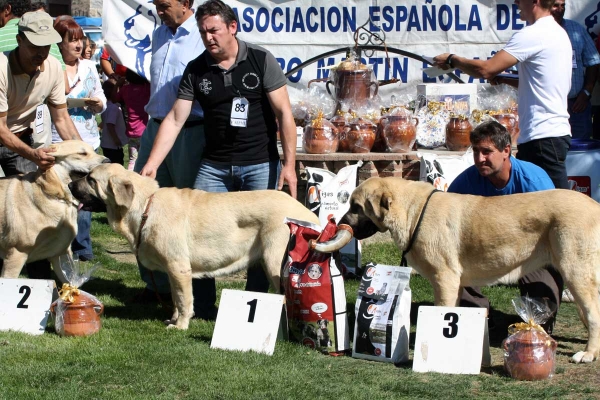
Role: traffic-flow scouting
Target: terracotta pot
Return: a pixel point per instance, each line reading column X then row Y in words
column 359, row 137
column 352, row 85
column 400, row 133
column 379, row 145
column 509, row 121
column 79, row 318
column 458, row 131
column 340, row 122
column 320, row 140
column 529, row 355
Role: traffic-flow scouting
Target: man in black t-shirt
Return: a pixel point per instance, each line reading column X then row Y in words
column 243, row 93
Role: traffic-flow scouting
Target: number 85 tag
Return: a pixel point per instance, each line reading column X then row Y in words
column 239, row 112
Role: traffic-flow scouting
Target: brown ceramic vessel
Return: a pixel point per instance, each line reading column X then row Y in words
column 529, row 355
column 458, row 131
column 320, row 139
column 79, row 318
column 509, row 121
column 353, row 86
column 400, row 133
column 359, row 137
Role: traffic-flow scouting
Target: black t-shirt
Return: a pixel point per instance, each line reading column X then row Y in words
column 254, row 74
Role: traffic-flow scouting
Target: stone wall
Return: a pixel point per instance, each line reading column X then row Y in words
column 86, row 8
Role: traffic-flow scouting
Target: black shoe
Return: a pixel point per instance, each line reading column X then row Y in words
column 149, row 296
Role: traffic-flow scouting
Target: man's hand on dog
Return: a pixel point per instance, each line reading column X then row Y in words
column 149, row 171
column 42, row 158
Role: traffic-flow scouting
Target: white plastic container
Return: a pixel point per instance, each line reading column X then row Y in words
column 583, row 167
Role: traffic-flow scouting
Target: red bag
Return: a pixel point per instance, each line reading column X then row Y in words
column 314, row 290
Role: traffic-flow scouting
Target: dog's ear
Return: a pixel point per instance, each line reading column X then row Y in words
column 123, row 191
column 385, row 202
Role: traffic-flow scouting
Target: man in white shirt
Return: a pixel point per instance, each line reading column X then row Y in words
column 543, row 51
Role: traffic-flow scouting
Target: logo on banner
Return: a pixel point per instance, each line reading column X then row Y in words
column 205, row 86
column 592, row 20
column 142, row 44
column 581, row 184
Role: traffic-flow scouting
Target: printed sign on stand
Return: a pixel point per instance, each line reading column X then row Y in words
column 450, row 340
column 25, row 304
column 249, row 321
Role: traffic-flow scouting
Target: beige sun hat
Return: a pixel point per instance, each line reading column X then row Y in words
column 37, row 27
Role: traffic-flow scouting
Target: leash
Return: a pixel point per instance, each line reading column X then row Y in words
column 137, row 248
column 403, row 262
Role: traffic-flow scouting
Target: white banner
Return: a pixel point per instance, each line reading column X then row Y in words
column 298, row 30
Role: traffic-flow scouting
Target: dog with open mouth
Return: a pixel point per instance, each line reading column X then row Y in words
column 191, row 233
column 38, row 214
column 457, row 240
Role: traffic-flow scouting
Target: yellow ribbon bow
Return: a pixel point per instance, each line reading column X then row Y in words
column 525, row 326
column 67, row 292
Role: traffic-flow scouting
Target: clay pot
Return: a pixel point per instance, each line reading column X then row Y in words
column 320, row 139
column 509, row 121
column 529, row 355
column 353, row 86
column 379, row 145
column 458, row 131
column 79, row 318
column 340, row 122
column 359, row 137
column 400, row 133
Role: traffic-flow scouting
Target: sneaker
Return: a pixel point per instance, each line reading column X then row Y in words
column 149, row 296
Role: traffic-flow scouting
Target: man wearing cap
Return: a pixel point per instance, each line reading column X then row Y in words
column 28, row 80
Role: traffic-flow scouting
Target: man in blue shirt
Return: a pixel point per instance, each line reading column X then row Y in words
column 495, row 173
column 586, row 64
column 175, row 43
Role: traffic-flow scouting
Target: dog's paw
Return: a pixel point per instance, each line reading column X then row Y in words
column 173, row 326
column 583, row 357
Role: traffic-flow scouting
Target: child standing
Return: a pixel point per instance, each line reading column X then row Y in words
column 113, row 132
column 135, row 94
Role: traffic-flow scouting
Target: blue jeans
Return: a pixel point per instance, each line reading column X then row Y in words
column 82, row 244
column 220, row 178
column 179, row 170
column 581, row 123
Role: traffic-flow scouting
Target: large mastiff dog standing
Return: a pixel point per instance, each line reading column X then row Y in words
column 473, row 241
column 38, row 214
column 191, row 233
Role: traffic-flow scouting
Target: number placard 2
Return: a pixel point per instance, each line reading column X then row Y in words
column 248, row 321
column 25, row 304
column 450, row 340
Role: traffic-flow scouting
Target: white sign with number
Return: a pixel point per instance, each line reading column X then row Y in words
column 25, row 304
column 248, row 321
column 449, row 340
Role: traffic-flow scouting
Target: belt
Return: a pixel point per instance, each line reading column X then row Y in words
column 188, row 124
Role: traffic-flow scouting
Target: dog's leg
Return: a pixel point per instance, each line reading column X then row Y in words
column 175, row 315
column 446, row 290
column 273, row 257
column 180, row 277
column 586, row 298
column 13, row 264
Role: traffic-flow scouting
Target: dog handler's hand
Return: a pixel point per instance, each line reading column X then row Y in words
column 288, row 174
column 440, row 61
column 148, row 171
column 43, row 160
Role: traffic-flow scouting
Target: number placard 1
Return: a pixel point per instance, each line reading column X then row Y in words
column 25, row 304
column 450, row 340
column 248, row 321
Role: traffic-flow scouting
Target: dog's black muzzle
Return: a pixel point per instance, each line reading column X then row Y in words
column 89, row 201
column 361, row 225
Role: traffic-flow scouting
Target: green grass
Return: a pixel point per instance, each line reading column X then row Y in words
column 135, row 357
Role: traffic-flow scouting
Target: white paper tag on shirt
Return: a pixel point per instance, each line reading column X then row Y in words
column 574, row 61
column 39, row 119
column 239, row 112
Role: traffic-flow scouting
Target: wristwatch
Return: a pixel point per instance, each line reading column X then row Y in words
column 587, row 93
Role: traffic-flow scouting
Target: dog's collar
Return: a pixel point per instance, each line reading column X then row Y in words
column 403, row 262
column 143, row 222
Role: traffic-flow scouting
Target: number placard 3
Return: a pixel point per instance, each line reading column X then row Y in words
column 25, row 304
column 248, row 321
column 450, row 340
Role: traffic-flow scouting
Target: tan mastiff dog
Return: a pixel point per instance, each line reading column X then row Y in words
column 191, row 233
column 38, row 214
column 468, row 240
